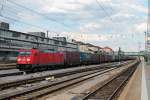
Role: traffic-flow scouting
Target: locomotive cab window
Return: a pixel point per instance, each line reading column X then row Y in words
column 24, row 53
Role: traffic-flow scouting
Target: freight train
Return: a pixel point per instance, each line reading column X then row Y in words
column 35, row 59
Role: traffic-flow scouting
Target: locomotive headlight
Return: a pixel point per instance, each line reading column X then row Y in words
column 28, row 60
column 19, row 59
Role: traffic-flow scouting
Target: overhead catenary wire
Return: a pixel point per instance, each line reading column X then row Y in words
column 36, row 26
column 23, row 22
column 109, row 16
column 99, row 4
column 2, row 7
column 29, row 9
column 38, row 13
column 106, row 13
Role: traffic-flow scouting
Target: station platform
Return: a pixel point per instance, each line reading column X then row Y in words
column 138, row 87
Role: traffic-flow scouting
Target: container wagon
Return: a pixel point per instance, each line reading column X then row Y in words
column 95, row 58
column 71, row 58
column 85, row 58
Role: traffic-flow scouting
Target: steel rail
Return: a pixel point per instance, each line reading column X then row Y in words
column 8, row 84
column 86, row 97
column 37, row 91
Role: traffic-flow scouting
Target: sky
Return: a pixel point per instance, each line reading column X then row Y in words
column 113, row 23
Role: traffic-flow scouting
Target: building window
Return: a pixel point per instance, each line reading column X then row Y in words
column 36, row 38
column 64, row 43
column 0, row 32
column 27, row 36
column 47, row 40
column 15, row 35
column 56, row 42
column 42, row 39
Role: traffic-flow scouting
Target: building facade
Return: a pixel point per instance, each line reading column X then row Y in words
column 12, row 41
column 88, row 48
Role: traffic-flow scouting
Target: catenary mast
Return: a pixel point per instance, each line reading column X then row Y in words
column 147, row 34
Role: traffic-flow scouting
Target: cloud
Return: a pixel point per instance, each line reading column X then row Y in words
column 90, row 37
column 90, row 27
column 60, row 7
column 84, row 37
column 63, row 6
column 137, row 7
column 27, row 17
column 140, row 27
column 85, row 19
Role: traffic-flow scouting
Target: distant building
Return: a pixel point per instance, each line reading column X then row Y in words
column 60, row 39
column 87, row 47
column 82, row 46
column 93, row 48
column 4, row 25
column 108, row 50
column 11, row 41
column 41, row 34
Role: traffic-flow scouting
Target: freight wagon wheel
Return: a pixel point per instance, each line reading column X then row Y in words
column 35, row 70
column 49, row 67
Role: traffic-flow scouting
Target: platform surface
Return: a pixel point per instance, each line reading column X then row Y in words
column 138, row 87
column 147, row 74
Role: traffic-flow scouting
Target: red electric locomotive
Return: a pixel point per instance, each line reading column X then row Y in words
column 35, row 59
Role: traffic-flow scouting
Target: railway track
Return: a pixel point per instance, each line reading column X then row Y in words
column 12, row 72
column 7, row 66
column 37, row 77
column 111, row 89
column 40, row 89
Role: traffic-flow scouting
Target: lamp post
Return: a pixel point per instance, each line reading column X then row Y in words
column 119, row 54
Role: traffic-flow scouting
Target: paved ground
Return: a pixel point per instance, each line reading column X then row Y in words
column 132, row 91
column 138, row 87
column 147, row 71
column 80, row 89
